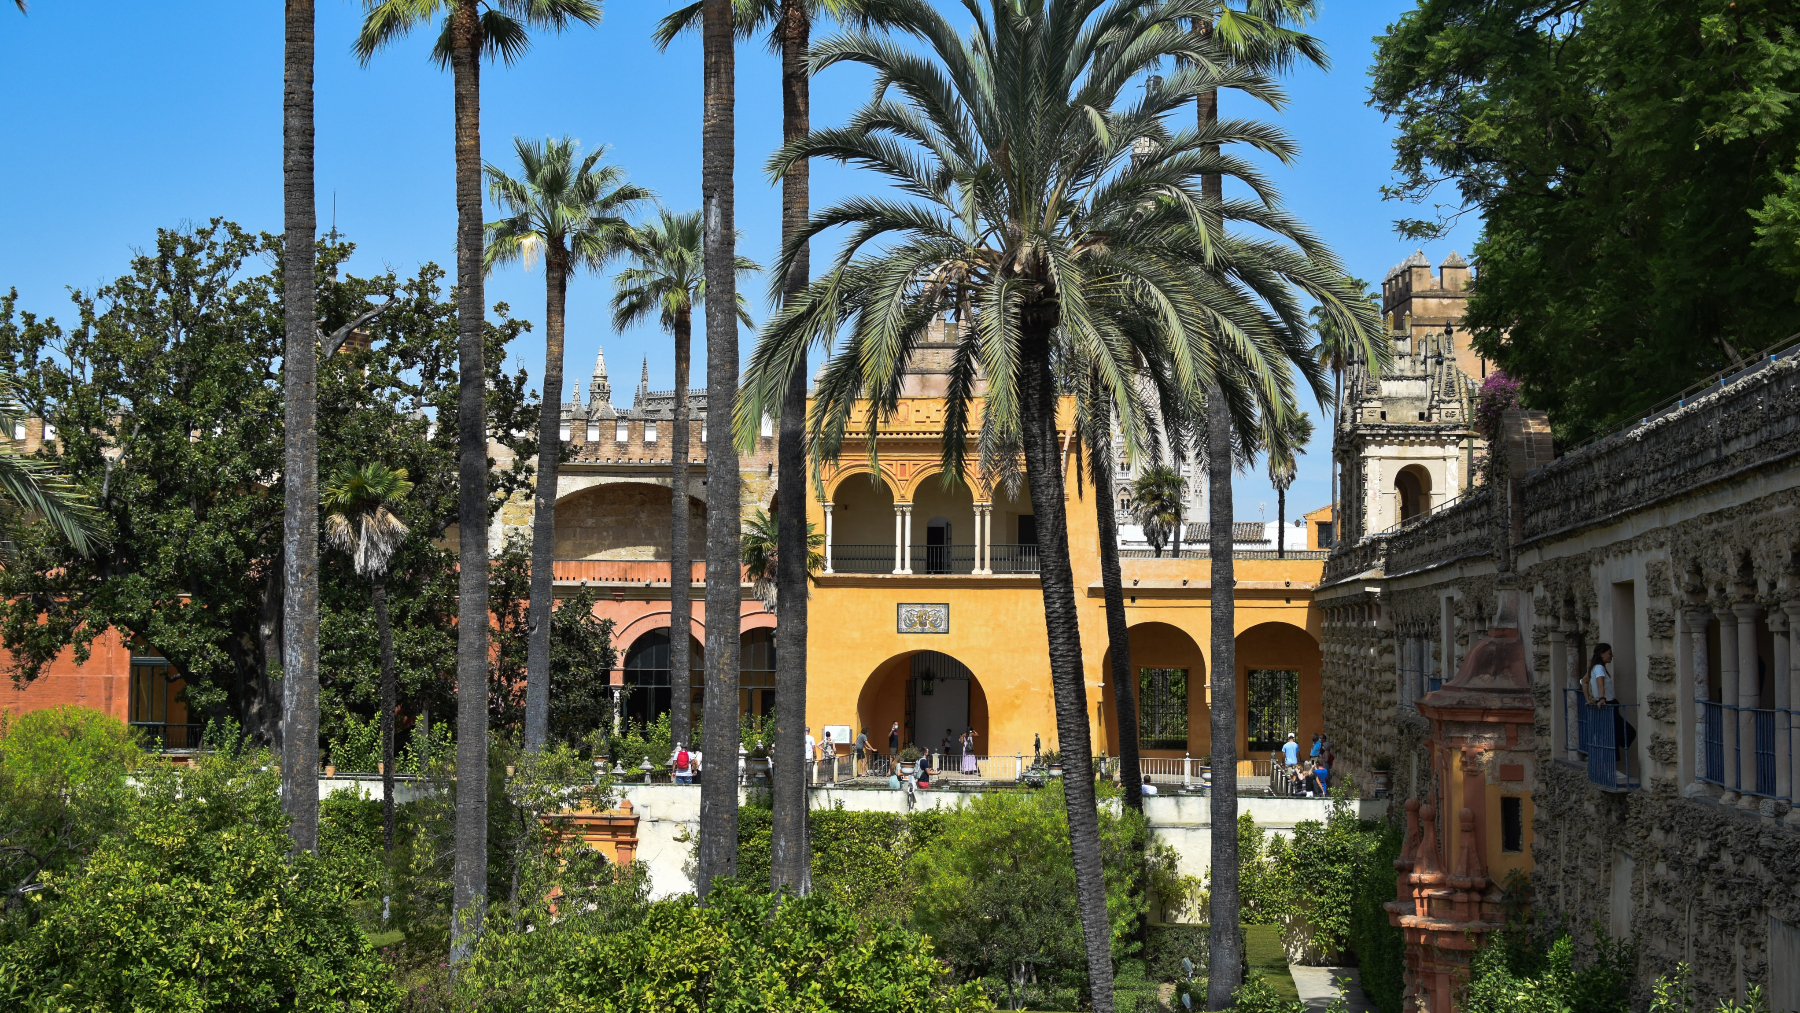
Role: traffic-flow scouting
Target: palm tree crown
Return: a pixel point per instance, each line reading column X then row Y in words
column 762, row 551
column 576, row 209
column 502, row 30
column 1027, row 206
column 1156, row 503
column 35, row 486
column 667, row 276
column 360, row 519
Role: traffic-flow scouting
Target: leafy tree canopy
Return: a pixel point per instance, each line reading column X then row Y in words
column 191, row 902
column 166, row 395
column 1634, row 162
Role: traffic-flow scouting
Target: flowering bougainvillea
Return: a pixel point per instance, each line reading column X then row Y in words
column 1498, row 393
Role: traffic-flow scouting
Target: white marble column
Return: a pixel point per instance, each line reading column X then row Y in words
column 827, row 505
column 1749, row 698
column 981, row 523
column 906, row 543
column 1728, row 695
column 1779, row 669
column 899, row 515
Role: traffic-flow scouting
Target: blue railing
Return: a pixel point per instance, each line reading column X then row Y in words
column 1607, row 733
column 1764, row 722
column 1715, row 742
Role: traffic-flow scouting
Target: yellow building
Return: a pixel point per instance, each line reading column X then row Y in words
column 929, row 612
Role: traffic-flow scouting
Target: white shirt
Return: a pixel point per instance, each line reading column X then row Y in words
column 1600, row 683
column 811, row 746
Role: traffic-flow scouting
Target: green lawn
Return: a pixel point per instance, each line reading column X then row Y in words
column 1263, row 952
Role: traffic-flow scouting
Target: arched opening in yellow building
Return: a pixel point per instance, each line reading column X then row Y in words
column 1278, row 689
column 1170, row 688
column 930, row 695
column 947, row 515
column 862, row 525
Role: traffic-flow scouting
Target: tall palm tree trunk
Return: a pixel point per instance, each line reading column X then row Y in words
column 1226, row 902
column 1118, row 634
column 790, row 865
column 1223, row 941
column 681, row 553
column 1281, row 522
column 718, row 793
column 543, row 518
column 385, row 635
column 469, row 874
column 300, row 389
column 1043, row 472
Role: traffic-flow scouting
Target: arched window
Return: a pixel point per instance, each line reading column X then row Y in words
column 648, row 686
column 1413, row 490
column 756, row 674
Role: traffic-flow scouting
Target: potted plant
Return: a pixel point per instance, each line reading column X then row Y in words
column 1053, row 760
column 756, row 760
column 1383, row 776
column 1206, row 769
column 909, row 760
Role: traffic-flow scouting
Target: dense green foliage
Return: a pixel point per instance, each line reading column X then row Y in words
column 996, row 887
column 187, row 900
column 167, row 397
column 1635, row 166
column 741, row 953
column 1516, row 973
column 581, row 652
column 62, row 788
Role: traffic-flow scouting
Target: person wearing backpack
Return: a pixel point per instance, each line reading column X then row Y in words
column 682, row 762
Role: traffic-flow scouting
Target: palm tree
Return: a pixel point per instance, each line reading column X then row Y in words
column 1293, row 436
column 300, row 438
column 665, row 277
column 574, row 216
column 35, row 487
column 1261, row 35
column 790, row 24
column 1028, row 217
column 1095, row 411
column 1333, row 352
column 471, row 29
column 360, row 520
column 1156, row 501
column 762, row 556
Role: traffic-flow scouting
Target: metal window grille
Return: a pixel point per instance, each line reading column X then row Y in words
column 1274, row 707
column 1163, row 708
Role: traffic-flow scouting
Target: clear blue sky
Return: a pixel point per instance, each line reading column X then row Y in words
column 123, row 117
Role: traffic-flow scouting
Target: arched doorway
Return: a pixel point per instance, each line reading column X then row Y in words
column 1278, row 688
column 1169, row 686
column 648, row 686
column 1413, row 489
column 924, row 693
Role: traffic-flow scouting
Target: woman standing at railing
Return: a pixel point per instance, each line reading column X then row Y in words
column 1602, row 692
column 969, row 765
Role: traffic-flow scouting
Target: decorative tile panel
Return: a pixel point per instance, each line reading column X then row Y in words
column 922, row 618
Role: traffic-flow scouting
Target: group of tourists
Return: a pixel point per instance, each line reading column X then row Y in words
column 1311, row 779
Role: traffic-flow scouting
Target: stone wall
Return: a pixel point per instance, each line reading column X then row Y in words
column 1678, row 542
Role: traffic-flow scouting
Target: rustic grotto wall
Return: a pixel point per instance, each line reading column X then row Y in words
column 1677, row 541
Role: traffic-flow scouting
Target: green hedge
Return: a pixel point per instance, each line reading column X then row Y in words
column 1379, row 946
